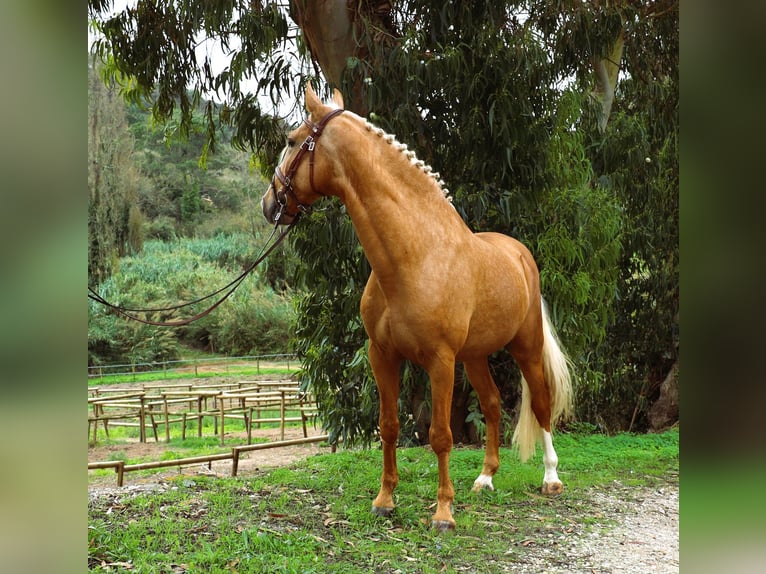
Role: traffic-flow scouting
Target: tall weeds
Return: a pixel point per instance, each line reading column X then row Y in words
column 254, row 320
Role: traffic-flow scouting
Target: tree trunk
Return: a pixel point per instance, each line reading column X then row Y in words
column 606, row 71
column 664, row 412
column 331, row 30
column 328, row 32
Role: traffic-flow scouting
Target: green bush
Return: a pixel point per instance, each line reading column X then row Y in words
column 162, row 228
column 253, row 320
column 226, row 250
column 115, row 340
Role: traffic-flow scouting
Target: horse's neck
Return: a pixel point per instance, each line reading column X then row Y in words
column 400, row 214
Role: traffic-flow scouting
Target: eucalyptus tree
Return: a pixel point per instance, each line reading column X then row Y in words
column 513, row 103
column 114, row 217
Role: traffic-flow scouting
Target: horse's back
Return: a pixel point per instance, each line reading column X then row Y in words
column 521, row 257
column 505, row 243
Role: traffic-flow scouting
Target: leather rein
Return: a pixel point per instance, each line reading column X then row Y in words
column 307, row 146
column 229, row 288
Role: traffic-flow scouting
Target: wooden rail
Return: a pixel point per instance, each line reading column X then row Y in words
column 121, row 468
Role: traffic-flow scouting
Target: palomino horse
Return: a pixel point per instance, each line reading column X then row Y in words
column 438, row 293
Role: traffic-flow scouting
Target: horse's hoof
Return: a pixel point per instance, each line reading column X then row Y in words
column 384, row 511
column 552, row 488
column 483, row 482
column 443, row 525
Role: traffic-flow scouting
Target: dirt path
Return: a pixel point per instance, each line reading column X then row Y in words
column 644, row 540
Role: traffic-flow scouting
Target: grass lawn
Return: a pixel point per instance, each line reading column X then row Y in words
column 280, row 370
column 315, row 516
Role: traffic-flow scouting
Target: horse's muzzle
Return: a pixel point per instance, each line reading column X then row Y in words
column 268, row 207
column 273, row 210
column 269, row 204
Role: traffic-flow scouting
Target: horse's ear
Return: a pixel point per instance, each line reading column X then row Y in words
column 337, row 97
column 313, row 103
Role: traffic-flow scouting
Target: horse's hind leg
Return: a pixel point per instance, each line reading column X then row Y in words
column 386, row 371
column 535, row 417
column 489, row 399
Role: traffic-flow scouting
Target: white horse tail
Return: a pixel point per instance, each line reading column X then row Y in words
column 557, row 376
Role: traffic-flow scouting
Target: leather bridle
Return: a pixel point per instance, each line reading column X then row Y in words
column 286, row 179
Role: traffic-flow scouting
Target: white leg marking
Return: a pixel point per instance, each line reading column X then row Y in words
column 550, row 459
column 484, row 481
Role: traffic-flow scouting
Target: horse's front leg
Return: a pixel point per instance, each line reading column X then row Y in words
column 386, row 372
column 442, row 374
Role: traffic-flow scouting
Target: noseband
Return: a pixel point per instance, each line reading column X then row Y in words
column 286, row 179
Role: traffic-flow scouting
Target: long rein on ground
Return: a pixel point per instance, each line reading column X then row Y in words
column 285, row 179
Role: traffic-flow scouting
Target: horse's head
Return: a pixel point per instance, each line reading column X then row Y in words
column 301, row 174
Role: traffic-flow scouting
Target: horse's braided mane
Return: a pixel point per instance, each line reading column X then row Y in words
column 411, row 157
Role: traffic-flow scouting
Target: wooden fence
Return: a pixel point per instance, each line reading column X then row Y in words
column 161, row 405
column 121, row 468
column 165, row 368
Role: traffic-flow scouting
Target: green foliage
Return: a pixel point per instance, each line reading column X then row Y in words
column 578, row 240
column 220, row 194
column 643, row 338
column 114, row 217
column 179, row 194
column 113, row 340
column 162, row 228
column 253, row 320
column 153, row 55
column 135, row 229
column 190, row 205
column 235, row 250
column 329, row 333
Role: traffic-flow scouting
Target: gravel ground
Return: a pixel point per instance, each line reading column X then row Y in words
column 636, row 533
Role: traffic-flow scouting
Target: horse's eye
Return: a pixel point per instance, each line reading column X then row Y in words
column 290, row 142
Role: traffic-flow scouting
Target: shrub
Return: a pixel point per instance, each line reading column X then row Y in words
column 162, row 228
column 115, row 340
column 254, row 319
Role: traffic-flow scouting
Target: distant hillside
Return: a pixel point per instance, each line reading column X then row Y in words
column 177, row 196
